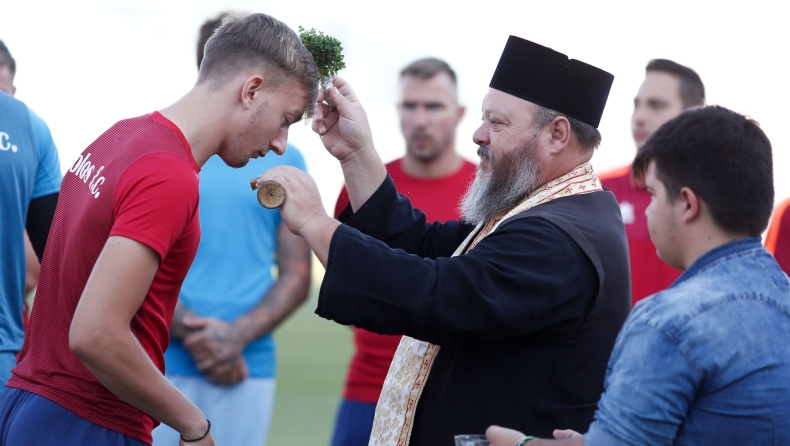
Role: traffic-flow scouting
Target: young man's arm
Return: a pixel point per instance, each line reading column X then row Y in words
column 101, row 338
column 213, row 342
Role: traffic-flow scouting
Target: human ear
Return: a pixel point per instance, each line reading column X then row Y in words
column 690, row 204
column 461, row 113
column 251, row 90
column 560, row 132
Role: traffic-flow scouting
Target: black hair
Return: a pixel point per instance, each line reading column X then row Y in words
column 724, row 157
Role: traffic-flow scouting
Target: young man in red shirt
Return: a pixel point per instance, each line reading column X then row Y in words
column 434, row 177
column 668, row 89
column 126, row 230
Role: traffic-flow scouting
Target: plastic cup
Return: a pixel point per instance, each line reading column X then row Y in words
column 471, row 440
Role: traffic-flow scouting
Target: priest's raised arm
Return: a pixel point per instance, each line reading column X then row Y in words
column 509, row 315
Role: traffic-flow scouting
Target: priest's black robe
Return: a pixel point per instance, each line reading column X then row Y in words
column 526, row 320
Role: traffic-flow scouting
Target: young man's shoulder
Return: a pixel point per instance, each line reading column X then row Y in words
column 721, row 289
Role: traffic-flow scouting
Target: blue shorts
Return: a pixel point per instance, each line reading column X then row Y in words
column 27, row 419
column 354, row 423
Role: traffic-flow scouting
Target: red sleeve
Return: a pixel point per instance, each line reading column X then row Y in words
column 342, row 202
column 155, row 199
column 777, row 241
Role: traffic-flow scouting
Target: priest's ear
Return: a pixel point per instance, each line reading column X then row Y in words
column 560, row 130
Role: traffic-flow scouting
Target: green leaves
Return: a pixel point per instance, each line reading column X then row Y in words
column 326, row 50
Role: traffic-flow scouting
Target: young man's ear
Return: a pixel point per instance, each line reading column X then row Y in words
column 251, row 89
column 689, row 203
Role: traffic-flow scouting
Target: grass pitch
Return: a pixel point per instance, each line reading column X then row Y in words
column 313, row 355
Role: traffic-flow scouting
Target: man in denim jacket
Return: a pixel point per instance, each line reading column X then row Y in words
column 706, row 361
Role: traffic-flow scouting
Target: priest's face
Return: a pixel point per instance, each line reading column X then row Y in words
column 510, row 163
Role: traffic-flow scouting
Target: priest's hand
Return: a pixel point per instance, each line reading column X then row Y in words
column 341, row 121
column 303, row 211
column 345, row 132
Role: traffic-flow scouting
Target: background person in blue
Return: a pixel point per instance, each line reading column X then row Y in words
column 29, row 184
column 221, row 354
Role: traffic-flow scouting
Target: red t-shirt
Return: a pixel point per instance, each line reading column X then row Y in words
column 649, row 274
column 777, row 241
column 137, row 180
column 438, row 198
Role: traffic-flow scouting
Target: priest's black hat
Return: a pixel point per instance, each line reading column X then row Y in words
column 547, row 78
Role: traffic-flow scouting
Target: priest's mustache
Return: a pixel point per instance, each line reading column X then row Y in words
column 485, row 152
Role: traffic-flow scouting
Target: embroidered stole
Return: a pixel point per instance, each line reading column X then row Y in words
column 413, row 359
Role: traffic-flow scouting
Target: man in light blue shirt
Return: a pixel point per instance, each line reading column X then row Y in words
column 29, row 184
column 706, row 361
column 222, row 354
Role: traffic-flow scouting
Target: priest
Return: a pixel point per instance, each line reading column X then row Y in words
column 508, row 316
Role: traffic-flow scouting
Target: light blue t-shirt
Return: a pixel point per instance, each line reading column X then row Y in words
column 29, row 169
column 232, row 270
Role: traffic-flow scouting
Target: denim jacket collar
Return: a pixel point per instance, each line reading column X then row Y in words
column 719, row 252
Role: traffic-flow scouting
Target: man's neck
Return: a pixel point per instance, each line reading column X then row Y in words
column 701, row 240
column 444, row 165
column 199, row 118
column 571, row 159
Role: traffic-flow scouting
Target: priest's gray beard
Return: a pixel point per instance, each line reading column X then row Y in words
column 510, row 178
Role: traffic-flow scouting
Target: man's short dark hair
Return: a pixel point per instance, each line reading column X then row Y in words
column 724, row 157
column 692, row 92
column 428, row 68
column 206, row 30
column 6, row 59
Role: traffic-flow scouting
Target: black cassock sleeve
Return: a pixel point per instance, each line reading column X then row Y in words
column 526, row 276
column 389, row 217
column 40, row 213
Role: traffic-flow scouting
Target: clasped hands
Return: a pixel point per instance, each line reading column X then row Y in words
column 216, row 348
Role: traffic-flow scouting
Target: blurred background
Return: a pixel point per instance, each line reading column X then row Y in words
column 85, row 64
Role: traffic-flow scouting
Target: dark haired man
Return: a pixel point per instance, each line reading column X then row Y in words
column 434, row 177
column 705, row 361
column 29, row 182
column 221, row 354
column 509, row 314
column 668, row 89
column 126, row 230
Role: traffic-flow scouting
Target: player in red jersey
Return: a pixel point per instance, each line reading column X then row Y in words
column 668, row 89
column 777, row 240
column 434, row 177
column 125, row 232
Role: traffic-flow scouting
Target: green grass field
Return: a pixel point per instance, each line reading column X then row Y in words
column 313, row 355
